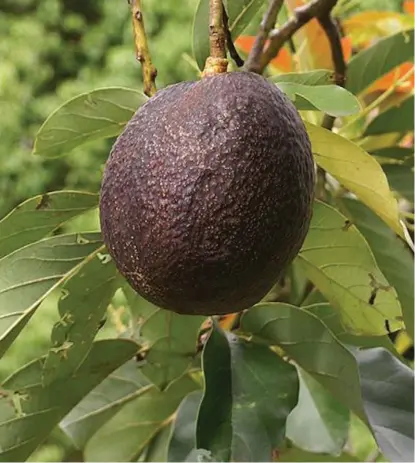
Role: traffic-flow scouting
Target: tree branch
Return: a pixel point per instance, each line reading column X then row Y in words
column 217, row 62
column 142, row 50
column 302, row 15
column 333, row 35
column 229, row 42
column 253, row 63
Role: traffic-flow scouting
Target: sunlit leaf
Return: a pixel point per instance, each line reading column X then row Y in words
column 36, row 217
column 370, row 64
column 101, row 113
column 337, row 259
column 318, row 77
column 367, row 26
column 29, row 274
column 331, row 99
column 393, row 258
column 307, row 341
column 170, row 339
column 29, row 411
column 388, row 397
column 249, row 393
column 357, row 171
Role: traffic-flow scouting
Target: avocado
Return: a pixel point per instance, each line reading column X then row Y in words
column 207, row 194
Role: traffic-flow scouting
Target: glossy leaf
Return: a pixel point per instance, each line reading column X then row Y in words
column 248, row 395
column 102, row 113
column 307, row 341
column 397, row 119
column 331, row 99
column 170, row 339
column 29, row 274
column 357, row 171
column 36, row 217
column 337, row 259
column 311, row 78
column 393, row 258
column 370, row 64
column 83, row 303
column 183, row 440
column 319, row 423
column 103, row 402
column 128, row 432
column 388, row 396
column 29, row 411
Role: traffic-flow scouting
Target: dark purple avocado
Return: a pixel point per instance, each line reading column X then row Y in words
column 207, row 194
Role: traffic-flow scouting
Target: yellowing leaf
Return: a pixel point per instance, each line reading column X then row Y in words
column 357, row 171
column 338, row 260
column 370, row 25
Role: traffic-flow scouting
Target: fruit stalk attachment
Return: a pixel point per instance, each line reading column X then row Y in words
column 217, row 62
column 142, row 50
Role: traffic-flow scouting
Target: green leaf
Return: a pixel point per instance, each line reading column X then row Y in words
column 357, row 171
column 257, row 390
column 397, row 119
column 128, row 432
column 240, row 13
column 201, row 33
column 102, row 403
column 29, row 411
column 102, row 113
column 395, row 152
column 36, row 217
column 318, row 423
column 295, row 454
column 214, row 421
column 401, row 179
column 313, row 78
column 170, row 339
column 159, row 446
column 337, row 259
column 374, row 62
column 393, row 258
column 331, row 99
column 82, row 306
column 388, row 396
column 29, row 274
column 308, row 341
column 331, row 319
column 183, row 440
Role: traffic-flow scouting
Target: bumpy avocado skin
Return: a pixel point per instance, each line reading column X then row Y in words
column 207, row 194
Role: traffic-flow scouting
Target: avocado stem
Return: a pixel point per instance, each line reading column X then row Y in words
column 217, row 62
column 142, row 50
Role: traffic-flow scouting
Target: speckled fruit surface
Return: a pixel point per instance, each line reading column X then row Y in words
column 207, row 194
